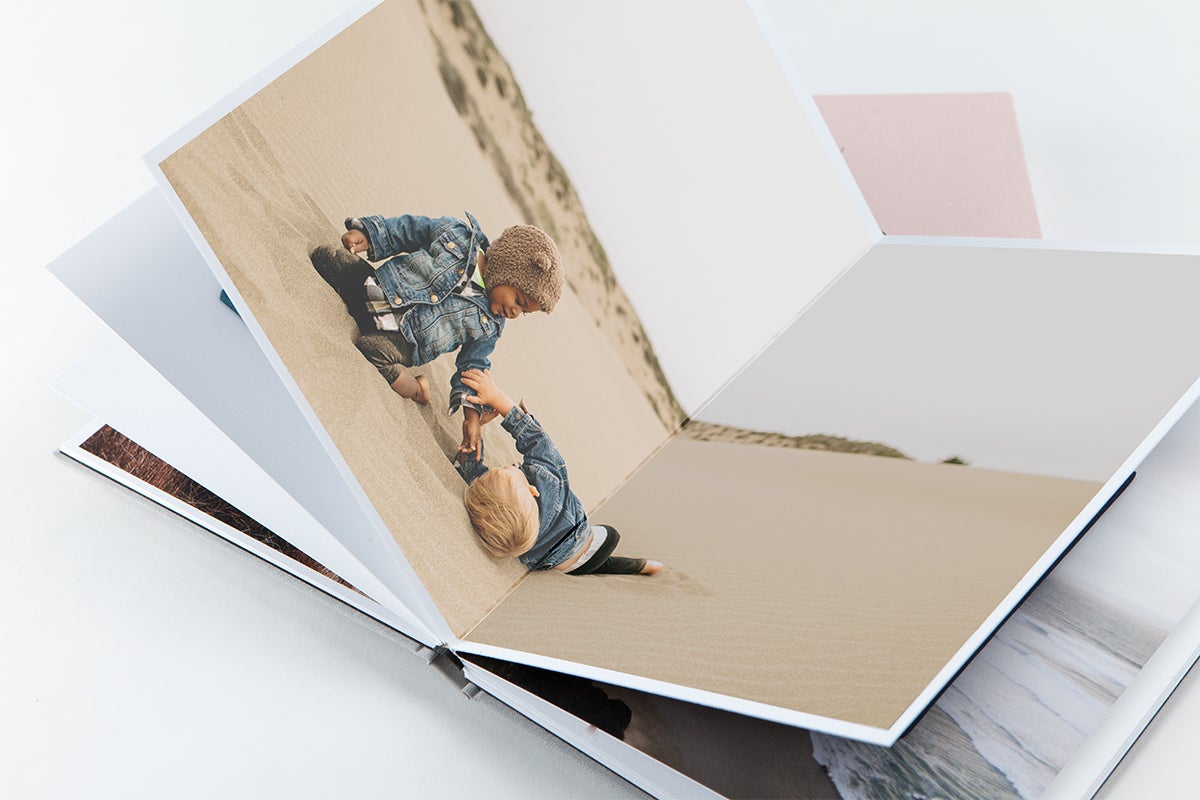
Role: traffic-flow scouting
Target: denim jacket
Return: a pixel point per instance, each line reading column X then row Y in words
column 426, row 259
column 562, row 524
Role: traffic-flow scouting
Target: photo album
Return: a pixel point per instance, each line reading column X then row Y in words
column 665, row 411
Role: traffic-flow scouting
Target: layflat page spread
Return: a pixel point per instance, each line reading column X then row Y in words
column 712, row 267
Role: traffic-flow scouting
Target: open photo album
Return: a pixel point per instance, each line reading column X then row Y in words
column 572, row 359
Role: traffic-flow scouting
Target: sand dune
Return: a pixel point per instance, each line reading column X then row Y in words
column 486, row 95
column 715, row 432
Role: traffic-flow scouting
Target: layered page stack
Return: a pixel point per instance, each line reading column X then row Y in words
column 856, row 454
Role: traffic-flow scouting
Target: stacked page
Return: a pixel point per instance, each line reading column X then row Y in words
column 854, row 455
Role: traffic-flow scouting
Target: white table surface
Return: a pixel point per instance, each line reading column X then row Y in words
column 145, row 658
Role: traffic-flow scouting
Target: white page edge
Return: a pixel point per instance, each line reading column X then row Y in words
column 113, row 356
column 73, row 450
column 1132, row 712
column 885, row 737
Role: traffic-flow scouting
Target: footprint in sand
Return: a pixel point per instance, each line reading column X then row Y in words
column 669, row 580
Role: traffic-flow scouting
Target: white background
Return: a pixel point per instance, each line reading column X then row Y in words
column 143, row 658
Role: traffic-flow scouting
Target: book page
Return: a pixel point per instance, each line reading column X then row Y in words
column 443, row 130
column 115, row 383
column 196, row 351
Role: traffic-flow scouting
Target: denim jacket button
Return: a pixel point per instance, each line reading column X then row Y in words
column 433, row 298
column 451, row 246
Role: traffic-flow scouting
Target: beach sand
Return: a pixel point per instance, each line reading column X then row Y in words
column 363, row 126
column 830, row 583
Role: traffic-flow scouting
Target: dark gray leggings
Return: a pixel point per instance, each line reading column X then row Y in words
column 613, row 565
column 605, row 563
column 388, row 351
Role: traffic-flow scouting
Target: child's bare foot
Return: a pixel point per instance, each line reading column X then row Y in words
column 422, row 396
column 652, row 567
column 411, row 387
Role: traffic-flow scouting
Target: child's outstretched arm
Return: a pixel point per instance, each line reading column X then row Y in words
column 486, row 392
column 472, row 357
column 381, row 237
column 470, row 465
column 532, row 441
column 471, row 448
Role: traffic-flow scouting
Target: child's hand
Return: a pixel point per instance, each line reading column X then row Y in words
column 488, row 416
column 355, row 241
column 472, row 430
column 486, row 390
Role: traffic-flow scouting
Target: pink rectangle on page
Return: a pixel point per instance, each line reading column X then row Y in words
column 937, row 164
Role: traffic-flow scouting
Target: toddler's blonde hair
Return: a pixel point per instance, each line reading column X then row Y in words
column 505, row 526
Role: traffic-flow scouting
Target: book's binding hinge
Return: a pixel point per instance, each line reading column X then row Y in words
column 447, row 662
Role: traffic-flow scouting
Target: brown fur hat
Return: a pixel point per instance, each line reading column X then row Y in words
column 526, row 258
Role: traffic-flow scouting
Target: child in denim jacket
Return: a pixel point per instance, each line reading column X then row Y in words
column 443, row 288
column 529, row 510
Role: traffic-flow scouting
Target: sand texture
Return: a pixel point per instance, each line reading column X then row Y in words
column 363, row 126
column 824, row 582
